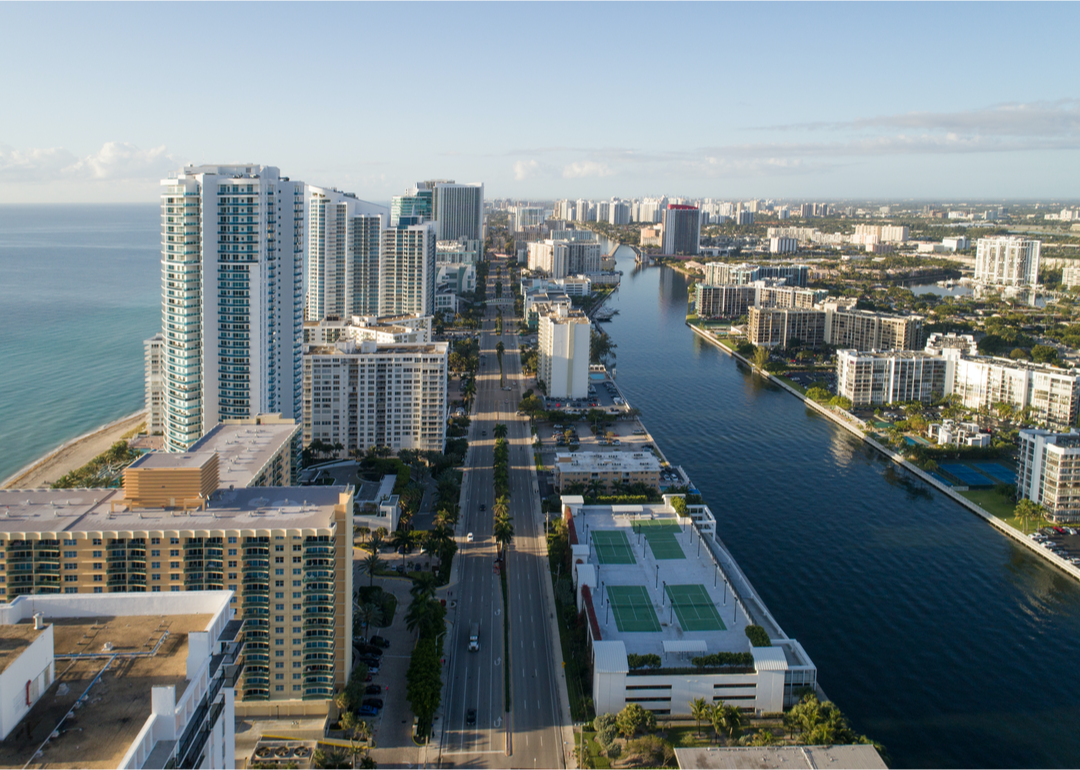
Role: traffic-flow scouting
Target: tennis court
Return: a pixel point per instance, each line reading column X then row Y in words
column 612, row 547
column 999, row 472
column 694, row 608
column 967, row 476
column 661, row 536
column 632, row 609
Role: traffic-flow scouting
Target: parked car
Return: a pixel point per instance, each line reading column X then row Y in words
column 372, row 664
column 371, row 650
column 373, row 689
column 379, row 641
column 367, row 711
column 470, row 717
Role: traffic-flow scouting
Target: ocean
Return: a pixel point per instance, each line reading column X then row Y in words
column 80, row 289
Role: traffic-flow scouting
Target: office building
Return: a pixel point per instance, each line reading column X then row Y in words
column 619, row 213
column 1070, row 275
column 559, row 259
column 611, row 470
column 564, row 336
column 682, row 230
column 460, row 279
column 458, row 210
column 260, row 451
column 772, row 293
column 407, row 269
column 1048, row 473
column 344, row 235
column 870, row 378
column 370, row 394
column 785, row 327
column 285, row 553
column 847, row 327
column 574, row 235
column 416, row 205
column 119, row 680
column 154, row 360
column 1007, row 261
column 685, row 608
column 232, row 250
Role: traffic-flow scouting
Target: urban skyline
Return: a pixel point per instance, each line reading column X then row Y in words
column 750, row 100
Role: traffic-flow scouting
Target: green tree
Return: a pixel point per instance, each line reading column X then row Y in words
column 423, row 587
column 1027, row 510
column 634, row 719
column 370, row 614
column 727, row 720
column 701, row 711
column 1019, row 354
column 400, row 540
column 370, row 565
column 764, row 737
column 500, row 430
column 761, row 357
column 503, row 532
column 335, row 758
column 601, row 348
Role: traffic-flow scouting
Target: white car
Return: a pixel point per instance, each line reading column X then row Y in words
column 469, row 537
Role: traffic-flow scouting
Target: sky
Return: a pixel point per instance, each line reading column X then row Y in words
column 849, row 100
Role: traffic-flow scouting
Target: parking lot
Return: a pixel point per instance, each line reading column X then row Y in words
column 603, row 394
column 1064, row 541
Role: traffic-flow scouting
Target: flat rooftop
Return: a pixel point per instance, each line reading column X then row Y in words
column 780, row 757
column 101, row 730
column 244, row 450
column 676, row 558
column 85, row 512
column 181, row 460
column 634, row 460
column 14, row 639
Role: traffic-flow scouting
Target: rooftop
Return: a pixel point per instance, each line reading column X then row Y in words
column 608, row 461
column 13, row 640
column 689, row 564
column 780, row 757
column 244, row 450
column 103, row 726
column 157, row 460
column 86, row 512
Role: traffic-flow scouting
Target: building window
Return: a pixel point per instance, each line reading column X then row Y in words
column 155, row 576
column 97, row 589
column 71, row 555
column 232, row 551
column 99, row 578
column 97, row 554
column 279, row 676
column 296, row 571
column 155, row 565
column 233, row 588
column 71, row 589
column 174, row 541
column 71, row 566
column 279, row 688
column 279, row 572
column 97, row 541
column 280, row 653
column 71, row 578
column 174, row 576
column 155, row 589
column 156, row 553
column 232, row 540
column 155, row 541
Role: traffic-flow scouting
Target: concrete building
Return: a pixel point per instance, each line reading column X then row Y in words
column 367, row 394
column 780, row 327
column 1070, row 275
column 284, row 552
column 952, row 433
column 564, row 336
column 260, row 451
column 783, row 245
column 344, row 236
column 542, row 301
column 619, row 213
column 559, row 259
column 682, row 230
column 847, row 327
column 574, row 235
column 715, row 603
column 120, row 680
column 652, row 236
column 1052, row 394
column 870, row 378
column 154, row 370
column 460, row 279
column 1007, row 261
column 407, row 270
column 417, row 205
column 607, row 469
column 232, row 249
column 860, row 756
column 458, row 210
column 726, row 301
column 718, row 273
column 381, row 329
column 461, row 251
column 528, row 216
column 1048, row 473
column 959, row 243
column 965, row 343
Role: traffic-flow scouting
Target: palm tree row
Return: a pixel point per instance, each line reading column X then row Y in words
column 724, row 718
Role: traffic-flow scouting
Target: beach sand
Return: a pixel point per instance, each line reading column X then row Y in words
column 72, row 455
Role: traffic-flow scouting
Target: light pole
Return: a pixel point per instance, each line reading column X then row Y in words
column 657, row 585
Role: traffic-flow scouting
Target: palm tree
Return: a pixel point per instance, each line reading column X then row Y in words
column 728, row 720
column 419, row 615
column 423, row 587
column 376, row 539
column 370, row 564
column 701, row 711
column 503, row 531
column 370, row 614
column 400, row 541
column 330, row 759
column 501, row 509
column 499, row 431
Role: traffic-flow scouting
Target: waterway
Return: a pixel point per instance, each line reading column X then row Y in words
column 933, row 633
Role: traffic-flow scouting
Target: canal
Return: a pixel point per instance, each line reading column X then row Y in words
column 933, row 633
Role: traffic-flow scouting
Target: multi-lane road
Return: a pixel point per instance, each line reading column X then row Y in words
column 526, row 732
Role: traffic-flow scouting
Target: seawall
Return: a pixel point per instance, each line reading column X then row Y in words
column 857, row 428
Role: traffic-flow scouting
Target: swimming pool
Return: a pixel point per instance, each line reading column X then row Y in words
column 597, row 376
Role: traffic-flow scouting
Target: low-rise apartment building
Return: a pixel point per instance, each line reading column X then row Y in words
column 367, row 394
column 608, row 469
column 1048, row 472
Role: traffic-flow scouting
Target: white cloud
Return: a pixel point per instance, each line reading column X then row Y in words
column 523, row 169
column 586, row 168
column 114, row 161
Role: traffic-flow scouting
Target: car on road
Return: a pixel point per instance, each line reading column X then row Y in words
column 483, row 507
column 375, row 703
column 373, row 689
column 470, row 717
column 469, row 537
column 367, row 711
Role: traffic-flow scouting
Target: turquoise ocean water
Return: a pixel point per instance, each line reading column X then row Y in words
column 79, row 292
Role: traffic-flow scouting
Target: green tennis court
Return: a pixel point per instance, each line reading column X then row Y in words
column 661, row 536
column 694, row 608
column 632, row 609
column 656, row 525
column 612, row 547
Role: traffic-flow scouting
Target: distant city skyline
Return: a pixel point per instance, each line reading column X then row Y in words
column 546, row 100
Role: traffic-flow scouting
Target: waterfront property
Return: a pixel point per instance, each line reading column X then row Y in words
column 651, row 583
column 285, row 552
column 382, row 329
column 608, row 469
column 1007, row 261
column 119, row 680
column 563, row 341
column 1048, row 473
column 848, row 327
column 852, row 757
column 781, row 327
column 872, row 378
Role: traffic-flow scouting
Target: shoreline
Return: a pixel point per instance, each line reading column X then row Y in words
column 72, row 454
column 1016, row 535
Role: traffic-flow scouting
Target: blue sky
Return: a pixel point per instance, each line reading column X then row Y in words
column 546, row 100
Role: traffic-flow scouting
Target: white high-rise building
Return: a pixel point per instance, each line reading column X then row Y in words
column 1048, row 473
column 563, row 340
column 619, row 213
column 407, row 270
column 528, row 216
column 344, row 236
column 232, row 248
column 459, row 210
column 154, row 357
column 1007, row 261
column 369, row 394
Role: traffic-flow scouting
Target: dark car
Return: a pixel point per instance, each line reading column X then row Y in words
column 371, row 663
column 380, row 642
column 375, row 703
column 372, row 689
column 470, row 717
column 370, row 650
column 367, row 711
column 483, row 507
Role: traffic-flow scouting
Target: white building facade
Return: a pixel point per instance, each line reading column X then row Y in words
column 232, row 253
column 1048, row 472
column 1007, row 261
column 563, row 338
column 407, row 270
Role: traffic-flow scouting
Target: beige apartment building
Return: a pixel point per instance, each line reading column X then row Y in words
column 285, row 552
column 779, row 327
column 846, row 327
column 607, row 468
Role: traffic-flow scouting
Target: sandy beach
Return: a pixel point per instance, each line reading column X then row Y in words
column 73, row 454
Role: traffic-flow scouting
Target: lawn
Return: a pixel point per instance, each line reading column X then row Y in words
column 596, row 759
column 791, row 383
column 1003, row 508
